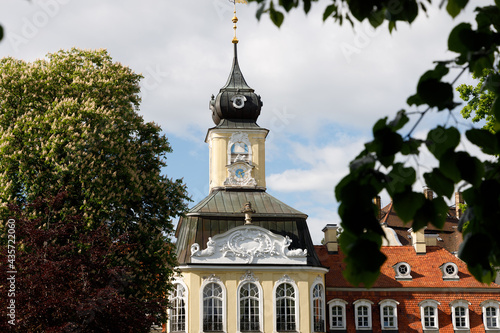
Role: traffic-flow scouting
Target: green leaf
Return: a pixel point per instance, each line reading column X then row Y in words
column 307, row 6
column 276, row 17
column 401, row 178
column 495, row 108
column 260, row 10
column 287, row 4
column 454, row 7
column 363, row 258
column 328, row 11
column 471, row 168
column 456, row 37
column 411, row 147
column 399, row 121
column 475, row 251
column 448, row 166
column 440, row 140
column 436, row 93
column 484, row 139
column 407, row 203
column 439, row 183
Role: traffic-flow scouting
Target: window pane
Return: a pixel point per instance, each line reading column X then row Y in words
column 285, row 307
column 212, row 307
column 337, row 316
column 249, row 307
column 178, row 310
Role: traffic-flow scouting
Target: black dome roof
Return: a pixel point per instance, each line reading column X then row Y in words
column 236, row 100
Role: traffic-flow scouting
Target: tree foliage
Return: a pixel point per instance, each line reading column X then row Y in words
column 70, row 122
column 66, row 281
column 479, row 101
column 377, row 167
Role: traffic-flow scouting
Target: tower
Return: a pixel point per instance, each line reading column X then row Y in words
column 246, row 260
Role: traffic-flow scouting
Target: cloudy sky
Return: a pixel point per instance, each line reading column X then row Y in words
column 323, row 86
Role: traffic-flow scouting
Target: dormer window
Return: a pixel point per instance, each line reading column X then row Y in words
column 403, row 271
column 450, row 271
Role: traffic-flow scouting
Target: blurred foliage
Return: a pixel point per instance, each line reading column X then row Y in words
column 71, row 122
column 375, row 169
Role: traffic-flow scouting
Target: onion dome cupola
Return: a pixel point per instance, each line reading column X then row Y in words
column 235, row 100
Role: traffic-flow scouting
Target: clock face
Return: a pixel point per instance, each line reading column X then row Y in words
column 240, row 173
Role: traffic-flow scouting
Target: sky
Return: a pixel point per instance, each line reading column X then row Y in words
column 323, row 85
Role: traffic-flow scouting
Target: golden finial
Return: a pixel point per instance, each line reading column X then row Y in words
column 235, row 19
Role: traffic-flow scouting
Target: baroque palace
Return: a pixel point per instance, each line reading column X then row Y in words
column 247, row 262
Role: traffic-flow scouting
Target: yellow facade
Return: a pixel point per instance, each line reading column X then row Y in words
column 304, row 279
column 218, row 140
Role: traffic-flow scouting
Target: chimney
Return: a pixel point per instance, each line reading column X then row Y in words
column 418, row 241
column 378, row 203
column 458, row 200
column 428, row 193
column 330, row 240
column 418, row 237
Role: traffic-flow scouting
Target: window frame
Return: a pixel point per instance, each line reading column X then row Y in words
column 389, row 303
column 432, row 304
column 206, row 282
column 286, row 280
column 318, row 282
column 456, row 304
column 360, row 303
column 185, row 298
column 245, row 279
column 484, row 306
column 342, row 304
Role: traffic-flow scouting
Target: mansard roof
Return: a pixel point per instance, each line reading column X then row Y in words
column 221, row 211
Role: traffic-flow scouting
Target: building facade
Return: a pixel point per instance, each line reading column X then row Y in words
column 247, row 262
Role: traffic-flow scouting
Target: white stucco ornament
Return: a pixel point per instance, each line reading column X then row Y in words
column 248, row 244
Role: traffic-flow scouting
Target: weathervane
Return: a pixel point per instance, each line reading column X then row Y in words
column 235, row 19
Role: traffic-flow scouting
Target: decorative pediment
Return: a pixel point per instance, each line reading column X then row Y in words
column 248, row 244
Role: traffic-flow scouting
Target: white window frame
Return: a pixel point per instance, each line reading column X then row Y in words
column 460, row 303
column 402, row 276
column 447, row 276
column 318, row 282
column 433, row 304
column 496, row 305
column 250, row 278
column 359, row 303
column 207, row 281
column 178, row 280
column 393, row 304
column 342, row 304
column 286, row 279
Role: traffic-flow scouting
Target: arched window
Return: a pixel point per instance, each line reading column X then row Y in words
column 286, row 305
column 318, row 306
column 389, row 314
column 178, row 315
column 250, row 309
column 429, row 314
column 337, row 314
column 491, row 314
column 460, row 314
column 363, row 314
column 213, row 305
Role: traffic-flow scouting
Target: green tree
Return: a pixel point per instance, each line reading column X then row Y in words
column 375, row 169
column 479, row 101
column 71, row 122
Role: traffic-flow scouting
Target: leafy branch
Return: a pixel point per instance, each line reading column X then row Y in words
column 377, row 169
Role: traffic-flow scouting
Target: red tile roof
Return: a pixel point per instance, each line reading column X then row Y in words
column 424, row 269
